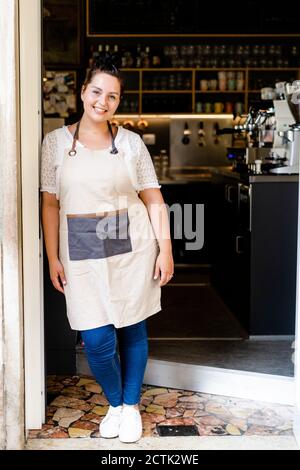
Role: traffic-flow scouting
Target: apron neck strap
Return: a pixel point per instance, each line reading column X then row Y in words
column 114, row 149
column 73, row 152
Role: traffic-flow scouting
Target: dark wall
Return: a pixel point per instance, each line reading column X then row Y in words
column 190, row 17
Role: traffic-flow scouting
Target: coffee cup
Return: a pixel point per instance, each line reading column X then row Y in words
column 212, row 84
column 238, row 107
column 231, row 84
column 207, row 107
column 203, row 85
column 228, row 107
column 199, row 107
column 218, row 107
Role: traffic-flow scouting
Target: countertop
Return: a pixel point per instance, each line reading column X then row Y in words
column 187, row 175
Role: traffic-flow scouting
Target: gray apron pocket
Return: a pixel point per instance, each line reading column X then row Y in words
column 94, row 236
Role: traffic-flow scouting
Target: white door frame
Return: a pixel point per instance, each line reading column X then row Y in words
column 30, row 75
column 297, row 336
column 31, row 127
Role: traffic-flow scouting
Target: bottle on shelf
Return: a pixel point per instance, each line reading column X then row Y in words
column 128, row 60
column 156, row 61
column 123, row 57
column 138, row 58
column 116, row 50
column 157, row 165
column 165, row 163
column 93, row 55
column 146, row 58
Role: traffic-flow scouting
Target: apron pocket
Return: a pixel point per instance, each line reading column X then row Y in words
column 93, row 236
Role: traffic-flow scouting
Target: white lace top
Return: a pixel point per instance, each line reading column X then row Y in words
column 136, row 154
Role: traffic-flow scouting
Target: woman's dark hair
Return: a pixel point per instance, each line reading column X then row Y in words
column 107, row 63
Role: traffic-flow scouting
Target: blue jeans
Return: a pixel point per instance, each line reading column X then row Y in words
column 119, row 372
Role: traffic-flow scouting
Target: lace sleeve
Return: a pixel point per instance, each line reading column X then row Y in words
column 49, row 151
column 146, row 175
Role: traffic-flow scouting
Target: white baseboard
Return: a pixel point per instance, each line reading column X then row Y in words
column 217, row 381
column 213, row 380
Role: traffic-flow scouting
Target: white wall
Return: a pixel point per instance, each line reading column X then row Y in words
column 11, row 309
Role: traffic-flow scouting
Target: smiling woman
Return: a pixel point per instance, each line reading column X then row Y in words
column 105, row 252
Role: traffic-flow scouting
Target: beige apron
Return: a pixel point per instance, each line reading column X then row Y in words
column 106, row 243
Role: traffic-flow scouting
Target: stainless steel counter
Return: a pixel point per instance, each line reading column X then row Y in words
column 273, row 178
column 270, row 178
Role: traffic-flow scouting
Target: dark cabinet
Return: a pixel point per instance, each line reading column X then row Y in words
column 254, row 252
column 273, row 257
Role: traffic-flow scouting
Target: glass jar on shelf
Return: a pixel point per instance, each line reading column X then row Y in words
column 179, row 81
column 222, row 81
column 187, row 83
column 240, row 81
column 154, row 82
column 163, row 82
column 171, row 81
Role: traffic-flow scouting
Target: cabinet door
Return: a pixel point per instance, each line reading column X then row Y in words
column 225, row 229
column 186, row 197
column 273, row 258
column 230, row 270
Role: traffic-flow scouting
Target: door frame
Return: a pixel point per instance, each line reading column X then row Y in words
column 30, row 24
column 31, row 104
column 296, row 425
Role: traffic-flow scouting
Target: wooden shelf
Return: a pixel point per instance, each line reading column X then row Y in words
column 195, row 75
column 208, row 69
column 219, row 91
column 166, row 91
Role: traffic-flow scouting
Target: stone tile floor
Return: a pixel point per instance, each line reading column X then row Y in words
column 77, row 406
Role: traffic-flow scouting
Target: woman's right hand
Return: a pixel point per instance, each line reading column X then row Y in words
column 57, row 274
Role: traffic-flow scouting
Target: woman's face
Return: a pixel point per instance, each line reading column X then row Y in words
column 101, row 97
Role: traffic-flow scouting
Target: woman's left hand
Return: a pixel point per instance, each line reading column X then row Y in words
column 165, row 265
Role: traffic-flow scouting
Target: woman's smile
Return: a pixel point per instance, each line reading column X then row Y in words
column 99, row 110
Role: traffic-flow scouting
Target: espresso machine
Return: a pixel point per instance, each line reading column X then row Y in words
column 272, row 134
column 254, row 133
column 286, row 145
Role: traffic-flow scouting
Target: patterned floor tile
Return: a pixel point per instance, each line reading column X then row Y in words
column 77, row 405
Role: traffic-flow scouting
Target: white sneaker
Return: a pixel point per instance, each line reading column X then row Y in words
column 131, row 427
column 109, row 426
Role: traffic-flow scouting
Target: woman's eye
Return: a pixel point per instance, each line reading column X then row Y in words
column 113, row 97
column 96, row 92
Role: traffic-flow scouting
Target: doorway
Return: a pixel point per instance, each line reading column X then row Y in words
column 217, row 380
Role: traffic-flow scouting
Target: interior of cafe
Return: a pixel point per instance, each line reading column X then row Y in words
column 215, row 100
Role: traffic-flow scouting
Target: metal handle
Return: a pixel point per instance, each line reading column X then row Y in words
column 237, row 238
column 248, row 189
column 228, row 188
